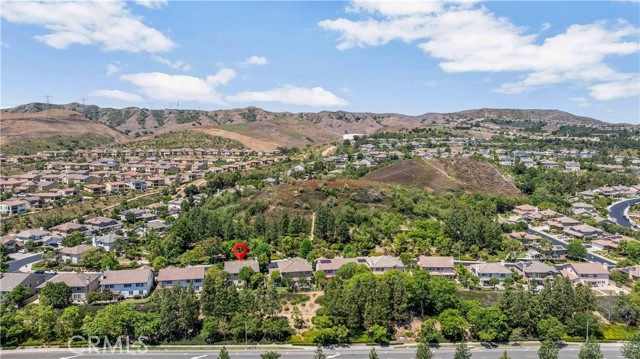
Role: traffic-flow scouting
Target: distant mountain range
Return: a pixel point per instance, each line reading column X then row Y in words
column 278, row 128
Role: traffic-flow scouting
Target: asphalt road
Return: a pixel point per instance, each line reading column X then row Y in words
column 616, row 212
column 610, row 352
column 15, row 265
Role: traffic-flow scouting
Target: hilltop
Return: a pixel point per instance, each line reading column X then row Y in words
column 254, row 127
column 447, row 174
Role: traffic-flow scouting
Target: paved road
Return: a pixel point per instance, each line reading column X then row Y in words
column 15, row 265
column 592, row 257
column 616, row 212
column 610, row 352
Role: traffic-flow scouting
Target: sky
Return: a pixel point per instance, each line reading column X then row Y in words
column 409, row 57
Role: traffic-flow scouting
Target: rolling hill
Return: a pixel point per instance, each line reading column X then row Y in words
column 448, row 174
column 254, row 127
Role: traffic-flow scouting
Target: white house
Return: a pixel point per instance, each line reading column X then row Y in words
column 129, row 282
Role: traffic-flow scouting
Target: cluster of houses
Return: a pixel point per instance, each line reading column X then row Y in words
column 141, row 282
column 60, row 180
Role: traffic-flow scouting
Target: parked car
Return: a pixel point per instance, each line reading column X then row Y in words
column 39, row 271
column 51, row 272
column 23, row 251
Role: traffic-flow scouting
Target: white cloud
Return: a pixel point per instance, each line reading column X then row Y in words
column 152, row 4
column 469, row 38
column 580, row 101
column 114, row 68
column 178, row 64
column 117, row 95
column 109, row 24
column 255, row 60
column 627, row 87
column 162, row 86
column 291, row 95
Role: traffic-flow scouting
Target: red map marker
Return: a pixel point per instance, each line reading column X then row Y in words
column 240, row 250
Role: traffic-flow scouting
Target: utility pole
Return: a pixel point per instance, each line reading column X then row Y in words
column 587, row 339
column 245, row 335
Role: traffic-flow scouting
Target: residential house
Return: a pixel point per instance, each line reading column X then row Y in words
column 8, row 281
column 11, row 244
column 633, row 272
column 584, row 231
column 103, row 224
column 487, row 271
column 80, row 284
column 571, row 166
column 438, row 266
column 129, row 282
column 234, row 267
column 96, row 189
column 35, row 235
column 107, row 241
column 507, row 161
column 293, row 268
column 69, row 227
column 592, row 274
column 384, row 264
column 13, row 206
column 549, row 164
column 73, row 254
column 537, row 272
column 331, row 266
column 183, row 277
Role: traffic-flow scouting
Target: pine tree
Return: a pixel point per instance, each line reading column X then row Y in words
column 424, row 352
column 462, row 352
column 590, row 350
column 224, row 354
column 505, row 355
column 373, row 354
column 319, row 354
column 548, row 350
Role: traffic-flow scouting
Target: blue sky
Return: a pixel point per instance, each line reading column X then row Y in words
column 408, row 57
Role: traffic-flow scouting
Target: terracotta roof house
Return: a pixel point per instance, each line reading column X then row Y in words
column 294, row 268
column 438, row 266
column 69, row 227
column 129, row 282
column 633, row 272
column 592, row 274
column 103, row 223
column 184, row 277
column 80, row 284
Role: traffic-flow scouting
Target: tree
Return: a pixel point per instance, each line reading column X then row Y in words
column 4, row 258
column 576, row 251
column 57, row 295
column 548, row 350
column 18, row 294
column 319, row 354
column 245, row 274
column 72, row 240
column 296, row 316
column 379, row 334
column 590, row 350
column 224, row 353
column 424, row 351
column 452, row 324
column 494, row 282
column 505, row 355
column 270, row 355
column 428, row 331
column 631, row 349
column 69, row 323
column 550, row 329
column 462, row 352
column 373, row 354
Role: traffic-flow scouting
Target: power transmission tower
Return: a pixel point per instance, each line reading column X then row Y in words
column 48, row 97
column 84, row 113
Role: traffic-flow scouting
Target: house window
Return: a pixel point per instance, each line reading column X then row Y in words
column 198, row 280
column 128, row 285
column 139, row 284
column 168, row 282
column 130, row 292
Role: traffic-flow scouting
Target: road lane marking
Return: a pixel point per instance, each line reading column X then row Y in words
column 333, row 356
column 77, row 355
column 201, row 356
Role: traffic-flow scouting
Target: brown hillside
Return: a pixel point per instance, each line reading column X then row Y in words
column 441, row 175
column 26, row 126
